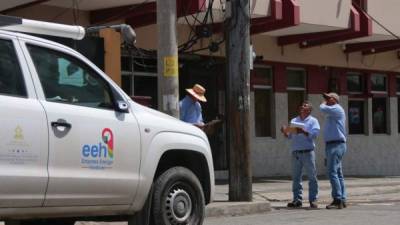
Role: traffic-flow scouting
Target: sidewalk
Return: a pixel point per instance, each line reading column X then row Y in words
column 274, row 193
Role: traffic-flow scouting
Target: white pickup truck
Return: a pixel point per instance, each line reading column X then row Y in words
column 74, row 146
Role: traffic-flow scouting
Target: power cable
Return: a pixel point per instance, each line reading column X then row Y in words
column 192, row 40
column 377, row 22
column 75, row 10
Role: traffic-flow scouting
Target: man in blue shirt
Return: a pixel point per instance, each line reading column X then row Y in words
column 335, row 139
column 302, row 132
column 190, row 108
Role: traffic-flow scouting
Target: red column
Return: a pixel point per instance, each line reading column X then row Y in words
column 392, row 84
column 317, row 80
column 280, row 80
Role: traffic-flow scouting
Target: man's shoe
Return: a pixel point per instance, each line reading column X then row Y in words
column 295, row 204
column 344, row 204
column 336, row 204
column 314, row 205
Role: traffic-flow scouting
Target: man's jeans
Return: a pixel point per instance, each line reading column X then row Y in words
column 306, row 160
column 334, row 154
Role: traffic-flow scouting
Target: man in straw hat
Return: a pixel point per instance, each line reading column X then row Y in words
column 335, row 139
column 190, row 108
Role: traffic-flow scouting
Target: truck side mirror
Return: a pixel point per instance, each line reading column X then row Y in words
column 122, row 106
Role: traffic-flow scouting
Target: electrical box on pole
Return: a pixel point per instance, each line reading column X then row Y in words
column 237, row 28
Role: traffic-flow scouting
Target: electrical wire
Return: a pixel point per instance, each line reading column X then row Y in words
column 377, row 22
column 208, row 21
column 193, row 36
column 60, row 14
column 75, row 10
column 191, row 39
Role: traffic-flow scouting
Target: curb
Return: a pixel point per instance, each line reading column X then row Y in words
column 219, row 209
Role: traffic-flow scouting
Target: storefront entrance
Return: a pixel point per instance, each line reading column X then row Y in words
column 208, row 72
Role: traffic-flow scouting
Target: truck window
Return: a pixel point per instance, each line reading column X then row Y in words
column 11, row 80
column 66, row 79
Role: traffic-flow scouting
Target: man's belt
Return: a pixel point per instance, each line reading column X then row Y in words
column 335, row 142
column 304, row 151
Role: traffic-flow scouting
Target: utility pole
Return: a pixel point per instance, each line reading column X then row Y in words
column 237, row 29
column 168, row 80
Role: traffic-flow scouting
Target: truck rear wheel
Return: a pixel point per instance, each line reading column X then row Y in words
column 178, row 198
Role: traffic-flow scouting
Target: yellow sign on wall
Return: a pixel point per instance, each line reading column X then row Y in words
column 171, row 66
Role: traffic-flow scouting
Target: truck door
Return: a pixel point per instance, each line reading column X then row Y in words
column 94, row 151
column 23, row 133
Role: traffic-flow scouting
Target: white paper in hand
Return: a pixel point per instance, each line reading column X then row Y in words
column 297, row 124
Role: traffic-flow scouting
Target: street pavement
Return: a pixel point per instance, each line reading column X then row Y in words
column 357, row 214
column 271, row 195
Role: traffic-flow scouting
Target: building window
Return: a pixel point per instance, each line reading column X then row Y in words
column 378, row 83
column 263, row 105
column 357, row 105
column 139, row 79
column 398, row 113
column 379, row 115
column 296, row 90
column 263, row 112
column 355, row 83
column 398, row 102
column 356, row 117
column 379, row 103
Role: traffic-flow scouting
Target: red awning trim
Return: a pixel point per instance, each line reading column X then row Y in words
column 360, row 26
column 118, row 13
column 183, row 8
column 381, row 49
column 276, row 14
column 281, row 10
column 144, row 14
column 299, row 38
column 23, row 6
column 290, row 16
column 369, row 46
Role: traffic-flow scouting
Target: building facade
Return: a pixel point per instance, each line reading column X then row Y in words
column 303, row 47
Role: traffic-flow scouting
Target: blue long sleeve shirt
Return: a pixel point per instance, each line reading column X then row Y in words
column 301, row 141
column 190, row 111
column 335, row 123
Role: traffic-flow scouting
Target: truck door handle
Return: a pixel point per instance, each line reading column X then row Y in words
column 60, row 123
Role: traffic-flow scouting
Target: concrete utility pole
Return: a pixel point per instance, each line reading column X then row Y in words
column 168, row 81
column 237, row 29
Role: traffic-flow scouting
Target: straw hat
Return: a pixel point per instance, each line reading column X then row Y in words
column 331, row 95
column 197, row 91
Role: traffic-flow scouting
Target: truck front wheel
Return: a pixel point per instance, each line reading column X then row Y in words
column 178, row 198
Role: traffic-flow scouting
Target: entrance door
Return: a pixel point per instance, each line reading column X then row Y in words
column 94, row 150
column 209, row 73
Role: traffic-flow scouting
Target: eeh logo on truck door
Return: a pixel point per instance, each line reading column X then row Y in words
column 99, row 155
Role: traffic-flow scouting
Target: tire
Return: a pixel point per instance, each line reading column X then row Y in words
column 178, row 198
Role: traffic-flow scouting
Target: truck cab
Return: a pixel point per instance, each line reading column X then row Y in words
column 75, row 146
